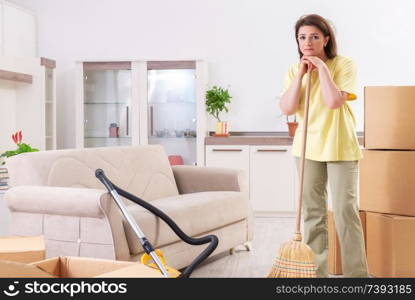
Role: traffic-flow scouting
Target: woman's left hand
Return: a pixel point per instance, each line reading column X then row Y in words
column 315, row 61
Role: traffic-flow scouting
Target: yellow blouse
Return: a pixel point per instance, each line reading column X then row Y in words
column 331, row 134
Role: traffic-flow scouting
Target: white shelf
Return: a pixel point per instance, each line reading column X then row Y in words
column 167, row 102
column 124, row 103
column 107, row 137
column 16, row 110
column 101, row 93
column 169, row 138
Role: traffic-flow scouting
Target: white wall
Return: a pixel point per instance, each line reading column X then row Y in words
column 248, row 43
column 8, row 120
column 22, row 104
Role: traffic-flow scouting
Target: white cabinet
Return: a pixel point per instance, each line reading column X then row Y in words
column 143, row 102
column 105, row 100
column 232, row 156
column 270, row 173
column 18, row 31
column 271, row 179
column 49, row 97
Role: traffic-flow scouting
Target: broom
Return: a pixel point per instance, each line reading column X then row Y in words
column 295, row 259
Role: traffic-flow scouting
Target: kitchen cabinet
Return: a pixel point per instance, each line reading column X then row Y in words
column 270, row 172
column 271, row 179
column 232, row 156
column 123, row 103
column 18, row 31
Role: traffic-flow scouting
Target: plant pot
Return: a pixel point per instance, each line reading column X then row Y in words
column 222, row 129
column 292, row 127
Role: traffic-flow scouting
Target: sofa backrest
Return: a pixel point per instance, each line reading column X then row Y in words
column 141, row 170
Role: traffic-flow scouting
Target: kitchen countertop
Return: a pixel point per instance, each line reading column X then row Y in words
column 258, row 138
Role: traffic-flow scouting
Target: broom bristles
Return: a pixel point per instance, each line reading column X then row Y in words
column 295, row 259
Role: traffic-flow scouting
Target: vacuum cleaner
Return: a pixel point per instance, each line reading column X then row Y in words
column 151, row 253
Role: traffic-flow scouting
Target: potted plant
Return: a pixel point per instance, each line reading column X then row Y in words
column 21, row 147
column 292, row 126
column 216, row 100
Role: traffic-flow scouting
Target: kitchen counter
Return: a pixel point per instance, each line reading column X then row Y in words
column 258, row 138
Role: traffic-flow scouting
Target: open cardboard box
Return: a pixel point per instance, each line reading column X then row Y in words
column 24, row 249
column 76, row 267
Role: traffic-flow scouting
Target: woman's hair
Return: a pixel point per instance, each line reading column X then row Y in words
column 325, row 28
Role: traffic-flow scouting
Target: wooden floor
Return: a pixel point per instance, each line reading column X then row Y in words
column 269, row 234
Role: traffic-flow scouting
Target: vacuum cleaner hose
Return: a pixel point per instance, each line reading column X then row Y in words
column 211, row 239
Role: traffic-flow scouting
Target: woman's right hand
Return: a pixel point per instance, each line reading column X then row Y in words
column 304, row 66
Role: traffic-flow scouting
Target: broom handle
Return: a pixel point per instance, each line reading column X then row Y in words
column 302, row 161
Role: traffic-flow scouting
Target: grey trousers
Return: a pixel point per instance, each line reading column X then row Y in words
column 343, row 179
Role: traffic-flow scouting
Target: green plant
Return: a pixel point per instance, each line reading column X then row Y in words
column 216, row 100
column 21, row 147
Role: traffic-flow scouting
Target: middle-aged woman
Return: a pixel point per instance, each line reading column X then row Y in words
column 333, row 151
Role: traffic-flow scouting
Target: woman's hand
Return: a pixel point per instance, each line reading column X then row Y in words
column 305, row 63
column 314, row 61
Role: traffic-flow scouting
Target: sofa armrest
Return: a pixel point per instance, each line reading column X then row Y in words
column 193, row 179
column 64, row 201
column 75, row 202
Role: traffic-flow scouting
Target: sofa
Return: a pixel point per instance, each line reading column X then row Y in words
column 56, row 194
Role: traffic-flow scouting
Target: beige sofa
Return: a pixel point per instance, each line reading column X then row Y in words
column 56, row 193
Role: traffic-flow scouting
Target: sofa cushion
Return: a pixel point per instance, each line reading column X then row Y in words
column 195, row 214
column 142, row 170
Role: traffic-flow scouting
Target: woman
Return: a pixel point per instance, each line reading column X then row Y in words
column 333, row 150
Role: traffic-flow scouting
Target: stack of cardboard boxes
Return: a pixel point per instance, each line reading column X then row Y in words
column 387, row 183
column 387, row 180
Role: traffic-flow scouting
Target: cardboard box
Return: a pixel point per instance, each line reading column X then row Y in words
column 390, row 245
column 76, row 267
column 24, row 249
column 389, row 117
column 387, row 182
column 334, row 253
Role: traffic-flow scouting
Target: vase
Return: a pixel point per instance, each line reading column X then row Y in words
column 292, row 127
column 222, row 129
column 114, row 132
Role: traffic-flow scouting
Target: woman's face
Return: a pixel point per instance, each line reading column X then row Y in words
column 311, row 41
